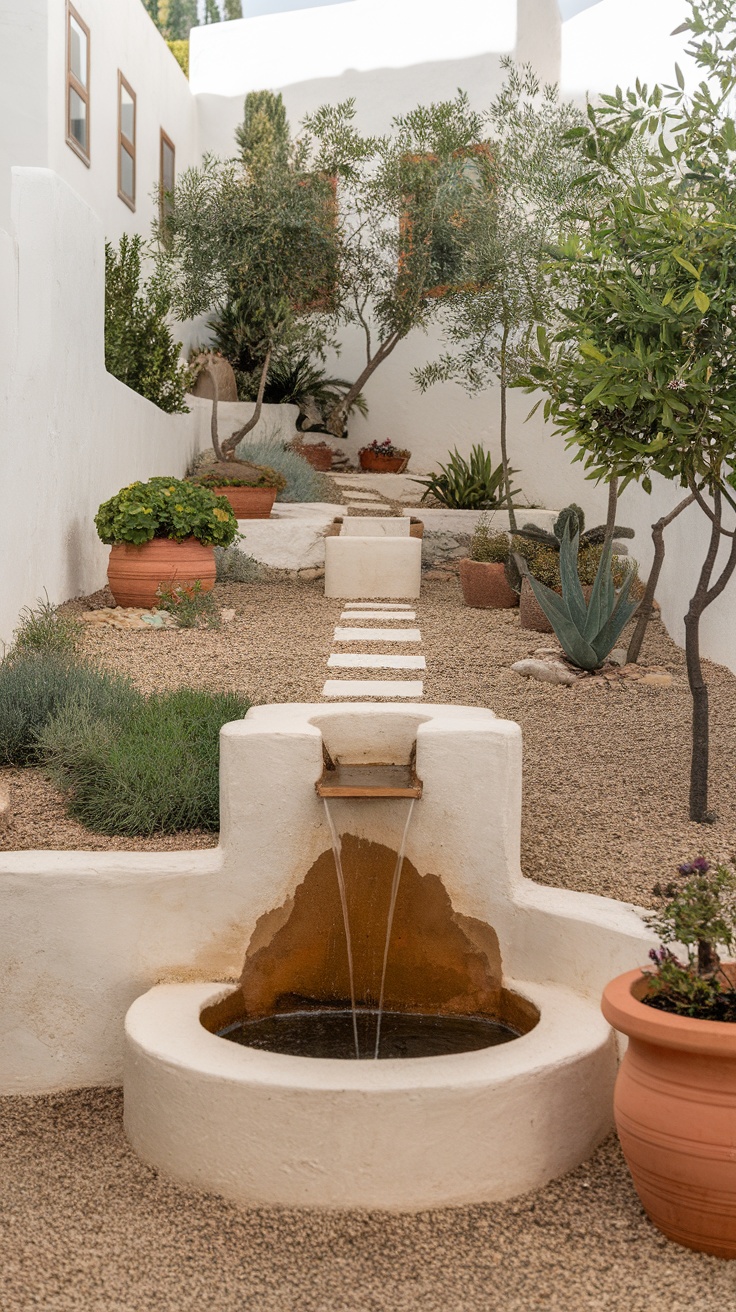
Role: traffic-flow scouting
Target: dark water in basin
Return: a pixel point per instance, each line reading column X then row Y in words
column 329, row 1033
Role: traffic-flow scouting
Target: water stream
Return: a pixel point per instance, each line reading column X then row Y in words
column 390, row 923
column 337, row 849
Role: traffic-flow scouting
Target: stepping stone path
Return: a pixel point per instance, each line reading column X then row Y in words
column 370, row 613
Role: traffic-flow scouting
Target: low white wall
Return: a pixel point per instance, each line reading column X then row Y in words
column 71, row 435
column 276, row 423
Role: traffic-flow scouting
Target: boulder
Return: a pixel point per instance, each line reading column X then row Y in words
column 227, row 388
column 545, row 671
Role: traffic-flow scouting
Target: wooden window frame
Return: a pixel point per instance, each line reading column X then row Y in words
column 164, row 140
column 481, row 150
column 323, row 302
column 73, row 84
column 124, row 141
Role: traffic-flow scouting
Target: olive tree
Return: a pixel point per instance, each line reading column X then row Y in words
column 642, row 377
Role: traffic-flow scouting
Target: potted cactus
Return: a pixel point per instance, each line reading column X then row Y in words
column 483, row 572
column 539, row 551
column 161, row 533
column 675, row 1098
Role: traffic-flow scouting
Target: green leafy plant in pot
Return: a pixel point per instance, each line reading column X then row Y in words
column 162, row 532
column 483, row 572
column 675, row 1097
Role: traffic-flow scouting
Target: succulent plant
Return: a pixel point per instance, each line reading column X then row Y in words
column 587, row 631
column 573, row 516
column 471, row 484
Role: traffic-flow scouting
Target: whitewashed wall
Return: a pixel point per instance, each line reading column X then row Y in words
column 71, row 435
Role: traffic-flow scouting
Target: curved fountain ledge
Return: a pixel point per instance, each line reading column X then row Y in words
column 263, row 1128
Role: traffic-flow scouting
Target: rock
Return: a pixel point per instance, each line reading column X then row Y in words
column 545, row 671
column 227, row 615
column 657, row 680
column 545, row 653
column 4, row 808
column 226, row 385
column 617, row 656
column 438, row 575
column 311, row 574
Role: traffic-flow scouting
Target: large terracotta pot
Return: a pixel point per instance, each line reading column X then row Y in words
column 531, row 615
column 675, row 1110
column 136, row 573
column 485, row 586
column 249, row 502
column 378, row 464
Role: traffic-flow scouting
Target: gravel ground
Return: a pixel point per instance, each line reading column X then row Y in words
column 88, row 1228
column 605, row 769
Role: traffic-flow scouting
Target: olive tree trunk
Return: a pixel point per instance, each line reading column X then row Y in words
column 644, row 612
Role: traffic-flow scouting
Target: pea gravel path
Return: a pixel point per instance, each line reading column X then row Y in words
column 87, row 1228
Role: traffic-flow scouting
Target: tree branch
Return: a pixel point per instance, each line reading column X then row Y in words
column 645, row 609
column 229, row 446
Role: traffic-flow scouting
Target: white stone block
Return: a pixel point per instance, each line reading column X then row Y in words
column 292, row 538
column 356, row 660
column 373, row 567
column 377, row 635
column 390, row 526
column 373, row 688
column 383, row 615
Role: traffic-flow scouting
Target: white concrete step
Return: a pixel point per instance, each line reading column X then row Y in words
column 356, row 660
column 373, row 688
column 377, row 635
column 384, row 615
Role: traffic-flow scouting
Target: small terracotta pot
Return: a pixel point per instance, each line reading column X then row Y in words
column 378, row 464
column 249, row 502
column 531, row 615
column 136, row 573
column 485, row 586
column 675, row 1110
column 318, row 455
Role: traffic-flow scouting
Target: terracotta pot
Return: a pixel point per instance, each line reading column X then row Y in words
column 531, row 615
column 485, row 586
column 249, row 502
column 378, row 464
column 136, row 573
column 318, row 455
column 675, row 1110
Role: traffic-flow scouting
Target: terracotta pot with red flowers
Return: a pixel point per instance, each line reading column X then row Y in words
column 675, row 1099
column 383, row 458
column 163, row 533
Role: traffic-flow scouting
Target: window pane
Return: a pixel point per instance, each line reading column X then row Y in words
column 77, row 51
column 127, row 174
column 127, row 114
column 78, row 119
column 168, row 178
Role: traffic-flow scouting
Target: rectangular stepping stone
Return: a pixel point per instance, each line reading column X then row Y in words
column 377, row 635
column 379, row 605
column 382, row 615
column 373, row 688
column 373, row 506
column 369, row 661
column 362, row 496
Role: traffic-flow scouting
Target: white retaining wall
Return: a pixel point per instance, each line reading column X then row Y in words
column 71, row 435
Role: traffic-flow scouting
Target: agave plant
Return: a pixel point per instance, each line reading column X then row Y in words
column 468, row 484
column 587, row 631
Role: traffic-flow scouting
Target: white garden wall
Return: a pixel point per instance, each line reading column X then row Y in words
column 71, row 435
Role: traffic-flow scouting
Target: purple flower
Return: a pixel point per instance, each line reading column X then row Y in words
column 699, row 866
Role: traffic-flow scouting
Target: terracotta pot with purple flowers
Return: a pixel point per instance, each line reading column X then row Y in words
column 675, row 1099
column 383, row 458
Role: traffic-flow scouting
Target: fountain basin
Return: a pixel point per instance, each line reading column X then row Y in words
column 262, row 1128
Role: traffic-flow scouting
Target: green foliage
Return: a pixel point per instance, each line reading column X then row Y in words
column 489, row 546
column 297, row 380
column 573, row 518
column 587, row 631
column 180, row 51
column 303, row 483
column 46, row 630
column 252, row 476
column 166, row 508
column 190, row 606
column 35, row 685
column 264, row 138
column 139, row 348
column 232, row 9
column 543, row 562
column 467, row 484
column 176, row 18
column 698, row 914
column 155, row 770
column 234, row 566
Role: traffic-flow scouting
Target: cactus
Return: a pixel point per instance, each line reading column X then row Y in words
column 586, row 631
column 575, row 517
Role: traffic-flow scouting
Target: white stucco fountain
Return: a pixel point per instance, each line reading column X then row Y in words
column 424, row 803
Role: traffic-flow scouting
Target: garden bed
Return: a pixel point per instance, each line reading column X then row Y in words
column 605, row 767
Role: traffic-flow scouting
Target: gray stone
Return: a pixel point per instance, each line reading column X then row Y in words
column 311, row 574
column 546, row 671
column 617, row 656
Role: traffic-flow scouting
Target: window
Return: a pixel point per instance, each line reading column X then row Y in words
column 126, row 142
column 431, row 246
column 167, row 176
column 77, row 84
